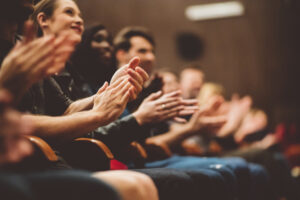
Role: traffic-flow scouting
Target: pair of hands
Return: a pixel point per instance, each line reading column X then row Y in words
column 13, row 146
column 206, row 118
column 125, row 85
column 33, row 59
column 159, row 107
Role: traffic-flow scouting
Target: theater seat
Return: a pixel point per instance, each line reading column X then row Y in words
column 88, row 154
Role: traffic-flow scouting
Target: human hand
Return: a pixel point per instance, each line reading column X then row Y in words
column 190, row 106
column 158, row 107
column 236, row 112
column 34, row 59
column 137, row 75
column 13, row 147
column 205, row 118
column 110, row 101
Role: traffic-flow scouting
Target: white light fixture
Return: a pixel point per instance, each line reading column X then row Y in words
column 215, row 11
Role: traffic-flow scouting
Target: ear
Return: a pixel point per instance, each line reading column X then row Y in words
column 121, row 56
column 43, row 21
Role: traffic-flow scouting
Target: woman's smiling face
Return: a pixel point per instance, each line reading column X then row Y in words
column 66, row 16
column 102, row 45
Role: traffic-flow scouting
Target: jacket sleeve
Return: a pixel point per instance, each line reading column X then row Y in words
column 120, row 133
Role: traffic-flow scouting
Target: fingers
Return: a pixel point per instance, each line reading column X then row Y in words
column 134, row 62
column 189, row 102
column 188, row 111
column 104, row 86
column 154, row 96
column 169, row 105
column 123, row 88
column 171, row 111
column 142, row 73
column 167, row 100
column 126, row 96
column 40, row 50
column 179, row 120
column 138, row 87
column 42, row 67
column 116, row 83
column 211, row 106
column 176, row 93
column 133, row 94
column 214, row 121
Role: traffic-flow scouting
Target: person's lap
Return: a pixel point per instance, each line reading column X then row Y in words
column 239, row 176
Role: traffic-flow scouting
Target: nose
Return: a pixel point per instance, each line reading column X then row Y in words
column 79, row 20
column 150, row 56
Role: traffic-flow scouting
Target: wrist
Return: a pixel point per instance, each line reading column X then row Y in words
column 98, row 117
column 139, row 118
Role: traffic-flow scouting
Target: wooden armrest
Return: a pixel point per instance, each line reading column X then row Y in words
column 44, row 147
column 157, row 150
column 100, row 144
column 139, row 150
column 136, row 154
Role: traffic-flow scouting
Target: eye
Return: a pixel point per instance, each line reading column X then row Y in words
column 142, row 50
column 98, row 38
column 69, row 11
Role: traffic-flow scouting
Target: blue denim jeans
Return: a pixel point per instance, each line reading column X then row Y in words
column 234, row 175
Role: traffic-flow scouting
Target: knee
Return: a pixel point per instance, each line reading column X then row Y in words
column 143, row 186
column 131, row 185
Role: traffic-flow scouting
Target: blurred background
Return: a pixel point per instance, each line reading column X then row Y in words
column 255, row 52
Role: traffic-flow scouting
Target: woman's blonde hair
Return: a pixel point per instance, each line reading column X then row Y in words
column 208, row 90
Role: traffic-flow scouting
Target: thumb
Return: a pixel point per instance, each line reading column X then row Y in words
column 104, row 86
column 134, row 62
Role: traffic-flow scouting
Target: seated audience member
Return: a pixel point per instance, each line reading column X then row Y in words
column 170, row 81
column 138, row 41
column 93, row 59
column 191, row 81
column 86, row 114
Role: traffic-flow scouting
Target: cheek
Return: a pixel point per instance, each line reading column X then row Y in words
column 63, row 22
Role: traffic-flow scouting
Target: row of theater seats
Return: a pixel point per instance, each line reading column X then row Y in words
column 87, row 154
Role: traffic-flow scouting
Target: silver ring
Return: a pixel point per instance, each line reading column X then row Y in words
column 163, row 106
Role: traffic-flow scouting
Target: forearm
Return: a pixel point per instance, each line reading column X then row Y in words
column 228, row 128
column 172, row 137
column 80, row 105
column 65, row 128
column 120, row 133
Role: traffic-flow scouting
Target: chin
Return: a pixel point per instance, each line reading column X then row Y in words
column 77, row 38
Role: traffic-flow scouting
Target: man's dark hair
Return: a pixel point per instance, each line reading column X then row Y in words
column 122, row 39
